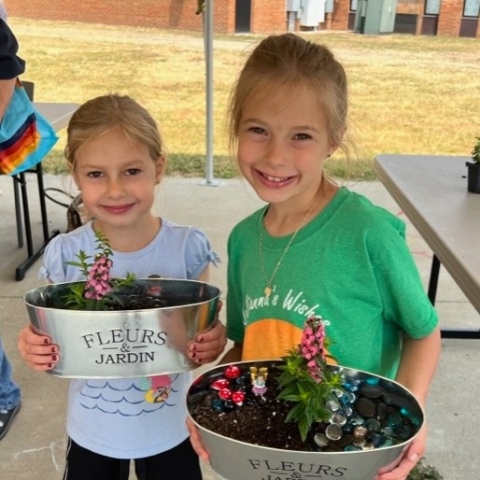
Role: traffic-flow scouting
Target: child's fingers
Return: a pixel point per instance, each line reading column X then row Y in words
column 208, row 345
column 40, row 362
column 215, row 333
column 196, row 441
column 29, row 337
column 37, row 350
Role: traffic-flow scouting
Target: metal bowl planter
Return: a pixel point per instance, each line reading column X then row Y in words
column 143, row 339
column 239, row 460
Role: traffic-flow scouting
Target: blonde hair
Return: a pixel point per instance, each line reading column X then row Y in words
column 99, row 115
column 288, row 61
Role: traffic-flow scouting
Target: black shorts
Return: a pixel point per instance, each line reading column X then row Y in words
column 180, row 463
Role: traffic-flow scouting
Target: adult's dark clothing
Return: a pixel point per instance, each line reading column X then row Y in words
column 11, row 65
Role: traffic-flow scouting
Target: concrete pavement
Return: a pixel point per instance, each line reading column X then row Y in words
column 34, row 447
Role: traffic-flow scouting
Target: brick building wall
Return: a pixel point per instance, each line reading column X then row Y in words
column 450, row 16
column 339, row 17
column 266, row 16
column 175, row 14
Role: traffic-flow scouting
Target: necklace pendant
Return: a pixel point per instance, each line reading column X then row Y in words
column 268, row 291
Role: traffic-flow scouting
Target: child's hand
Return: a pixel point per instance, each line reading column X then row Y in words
column 196, row 441
column 210, row 343
column 38, row 351
column 410, row 458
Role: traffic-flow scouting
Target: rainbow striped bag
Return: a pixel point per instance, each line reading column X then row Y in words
column 25, row 136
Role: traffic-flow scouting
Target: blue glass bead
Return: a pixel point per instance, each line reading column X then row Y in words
column 376, row 439
column 228, row 406
column 350, row 397
column 241, row 381
column 387, row 432
column 407, row 414
column 218, row 405
column 350, row 386
column 403, row 432
column 415, row 421
column 373, row 425
column 388, row 442
column 357, row 420
column 394, row 419
column 351, row 448
column 347, row 428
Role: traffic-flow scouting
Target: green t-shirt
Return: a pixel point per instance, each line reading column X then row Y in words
column 350, row 264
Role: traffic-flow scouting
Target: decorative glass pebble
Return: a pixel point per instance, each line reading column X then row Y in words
column 359, row 442
column 387, row 432
column 338, row 418
column 373, row 425
column 394, row 419
column 352, row 448
column 360, row 432
column 403, row 432
column 332, row 405
column 337, row 392
column 320, row 440
column 357, row 420
column 388, row 442
column 406, row 413
column 376, row 439
column 348, row 411
column 228, row 406
column 350, row 397
column 333, row 432
column 217, row 405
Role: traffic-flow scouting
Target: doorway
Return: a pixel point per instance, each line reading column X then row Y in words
column 243, row 13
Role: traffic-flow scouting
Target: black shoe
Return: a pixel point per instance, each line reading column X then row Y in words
column 6, row 418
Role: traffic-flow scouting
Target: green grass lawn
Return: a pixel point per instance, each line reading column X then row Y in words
column 408, row 94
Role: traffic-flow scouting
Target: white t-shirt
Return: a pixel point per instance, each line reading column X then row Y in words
column 116, row 417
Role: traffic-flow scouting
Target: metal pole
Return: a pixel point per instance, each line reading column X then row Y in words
column 208, row 46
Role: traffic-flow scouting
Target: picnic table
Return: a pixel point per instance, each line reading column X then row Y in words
column 432, row 192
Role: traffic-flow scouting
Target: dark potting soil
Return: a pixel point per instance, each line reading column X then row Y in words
column 123, row 302
column 260, row 420
column 143, row 294
column 138, row 302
